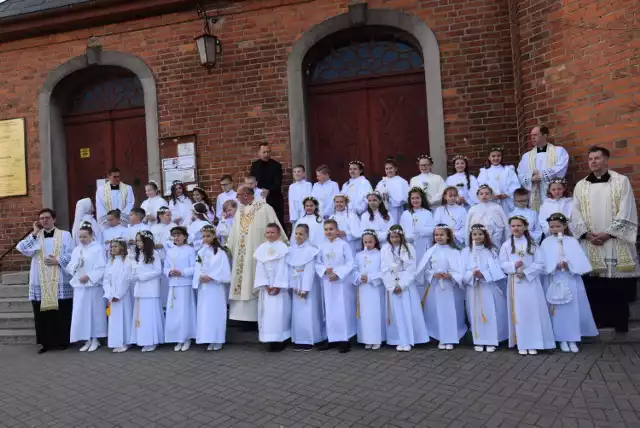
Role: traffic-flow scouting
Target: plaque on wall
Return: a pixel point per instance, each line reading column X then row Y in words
column 13, row 163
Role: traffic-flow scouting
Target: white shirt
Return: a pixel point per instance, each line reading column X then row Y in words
column 324, row 193
column 432, row 184
column 222, row 198
column 297, row 192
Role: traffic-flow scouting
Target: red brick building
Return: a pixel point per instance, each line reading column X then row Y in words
column 321, row 80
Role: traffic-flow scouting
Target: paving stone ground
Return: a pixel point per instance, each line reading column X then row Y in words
column 243, row 386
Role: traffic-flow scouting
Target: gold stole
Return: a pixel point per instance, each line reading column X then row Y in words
column 536, row 197
column 246, row 218
column 49, row 276
column 106, row 194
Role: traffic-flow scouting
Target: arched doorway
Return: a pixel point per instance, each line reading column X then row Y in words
column 366, row 100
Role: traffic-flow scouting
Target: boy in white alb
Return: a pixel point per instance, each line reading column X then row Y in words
column 228, row 194
column 112, row 230
column 136, row 225
column 298, row 190
column 253, row 183
column 521, row 201
column 324, row 190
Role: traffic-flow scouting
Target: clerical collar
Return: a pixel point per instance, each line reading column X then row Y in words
column 114, row 186
column 591, row 178
column 50, row 233
column 542, row 149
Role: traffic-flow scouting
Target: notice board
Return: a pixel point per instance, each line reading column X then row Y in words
column 179, row 161
column 13, row 164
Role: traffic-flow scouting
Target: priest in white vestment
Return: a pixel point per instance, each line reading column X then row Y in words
column 541, row 165
column 114, row 195
column 247, row 233
column 605, row 222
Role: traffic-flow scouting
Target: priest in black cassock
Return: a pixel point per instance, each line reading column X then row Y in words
column 268, row 172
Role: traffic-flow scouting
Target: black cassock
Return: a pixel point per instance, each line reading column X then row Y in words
column 269, row 176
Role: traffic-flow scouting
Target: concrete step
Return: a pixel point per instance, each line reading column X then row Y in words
column 634, row 309
column 15, row 278
column 609, row 335
column 15, row 304
column 14, row 290
column 18, row 336
column 16, row 320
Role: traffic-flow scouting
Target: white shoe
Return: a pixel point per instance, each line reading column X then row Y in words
column 442, row 346
column 573, row 346
column 491, row 349
column 449, row 347
column 367, row 346
column 217, row 346
column 210, row 347
column 564, row 347
column 151, row 348
column 121, row 349
column 86, row 346
column 178, row 347
column 186, row 345
column 478, row 348
column 533, row 352
column 399, row 348
column 407, row 348
column 95, row 344
column 522, row 352
column 375, row 347
column 144, row 349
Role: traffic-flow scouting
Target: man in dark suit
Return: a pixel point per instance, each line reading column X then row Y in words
column 268, row 172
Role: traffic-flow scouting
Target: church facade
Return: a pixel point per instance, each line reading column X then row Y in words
column 322, row 81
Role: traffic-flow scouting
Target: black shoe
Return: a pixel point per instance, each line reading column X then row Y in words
column 275, row 347
column 324, row 346
column 344, row 347
column 42, row 350
column 297, row 348
column 306, row 348
column 63, row 347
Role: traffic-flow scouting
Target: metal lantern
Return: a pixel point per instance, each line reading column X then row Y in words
column 208, row 45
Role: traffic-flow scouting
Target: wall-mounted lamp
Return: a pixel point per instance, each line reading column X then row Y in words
column 208, row 45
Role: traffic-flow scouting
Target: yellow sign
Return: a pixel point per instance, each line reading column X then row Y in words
column 85, row 153
column 13, row 165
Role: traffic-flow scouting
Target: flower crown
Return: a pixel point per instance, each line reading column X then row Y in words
column 376, row 194
column 558, row 217
column 208, row 228
column 417, row 189
column 198, row 187
column 425, row 156
column 460, row 157
column 119, row 240
column 146, row 234
column 443, row 226
column 180, row 229
column 163, row 210
column 496, row 149
column 176, row 182
column 86, row 224
column 369, row 232
column 519, row 217
column 484, row 186
column 480, row 227
column 154, row 182
column 357, row 162
column 310, row 198
column 396, row 229
column 342, row 195
column 558, row 180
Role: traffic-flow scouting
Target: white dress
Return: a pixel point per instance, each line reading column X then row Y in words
column 395, row 191
column 357, row 190
column 222, row 198
column 371, row 305
column 443, row 298
column 181, row 210
column 432, row 184
column 339, row 296
column 147, row 328
column 486, row 302
column 274, row 312
column 324, row 193
column 349, row 223
column 316, row 229
column 552, row 206
column 532, row 217
column 503, row 180
column 406, row 324
column 195, row 233
column 89, row 317
column 493, row 217
column 117, row 285
column 418, row 229
column 573, row 320
column 211, row 319
column 297, row 192
column 151, row 207
column 455, row 217
column 180, row 323
column 307, row 316
column 379, row 224
column 468, row 192
column 527, row 311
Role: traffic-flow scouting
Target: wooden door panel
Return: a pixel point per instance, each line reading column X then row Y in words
column 130, row 152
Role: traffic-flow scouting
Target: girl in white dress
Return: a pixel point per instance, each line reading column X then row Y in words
column 180, row 204
column 117, row 291
column 432, row 184
column 565, row 263
column 210, row 279
column 558, row 201
column 147, row 329
column 84, row 214
column 272, row 282
column 489, row 214
column 443, row 300
column 334, row 266
column 153, row 203
column 466, row 183
column 348, row 222
column 529, row 323
column 200, row 195
column 162, row 241
column 406, row 325
column 112, row 230
column 452, row 214
column 179, row 267
column 486, row 303
column 88, row 318
column 417, row 222
column 393, row 189
column 199, row 219
column 312, row 218
column 357, row 187
column 370, row 293
column 377, row 217
column 307, row 323
column 502, row 179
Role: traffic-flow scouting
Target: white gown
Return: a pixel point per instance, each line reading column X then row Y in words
column 493, row 217
column 349, row 222
column 274, row 312
column 147, row 328
column 379, row 224
column 503, row 180
column 406, row 324
column 357, row 190
column 316, row 229
column 181, row 210
column 307, row 316
column 418, row 230
column 486, row 302
column 552, row 206
column 324, row 193
column 573, row 320
column 222, row 198
column 371, row 305
column 468, row 192
column 117, row 284
column 88, row 318
column 455, row 217
column 527, row 311
column 151, row 207
column 211, row 319
column 180, row 324
column 532, row 217
column 339, row 296
column 443, row 299
column 396, row 190
column 195, row 233
column 432, row 184
column 297, row 192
